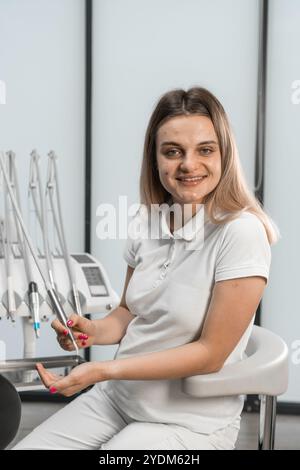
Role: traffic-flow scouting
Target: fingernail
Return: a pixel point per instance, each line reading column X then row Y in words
column 65, row 332
column 69, row 322
column 83, row 336
column 52, row 390
column 83, row 343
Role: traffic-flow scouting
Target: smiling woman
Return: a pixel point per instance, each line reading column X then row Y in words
column 189, row 134
column 188, row 303
column 189, row 169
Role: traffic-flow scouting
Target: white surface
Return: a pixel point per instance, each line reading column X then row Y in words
column 281, row 302
column 263, row 370
column 2, row 92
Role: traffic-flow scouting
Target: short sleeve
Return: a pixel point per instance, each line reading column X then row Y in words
column 129, row 252
column 244, row 250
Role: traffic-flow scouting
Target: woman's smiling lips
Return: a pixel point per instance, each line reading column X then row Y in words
column 191, row 181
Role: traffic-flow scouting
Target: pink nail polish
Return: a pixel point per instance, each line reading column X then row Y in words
column 65, row 332
column 83, row 343
column 69, row 322
column 83, row 336
column 52, row 390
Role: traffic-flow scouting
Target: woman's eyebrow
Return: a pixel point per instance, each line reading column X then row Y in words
column 204, row 142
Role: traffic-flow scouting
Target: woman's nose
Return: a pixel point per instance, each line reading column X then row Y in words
column 190, row 162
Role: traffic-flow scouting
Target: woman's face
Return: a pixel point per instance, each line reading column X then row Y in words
column 187, row 147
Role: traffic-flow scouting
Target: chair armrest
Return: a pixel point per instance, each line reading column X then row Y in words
column 264, row 371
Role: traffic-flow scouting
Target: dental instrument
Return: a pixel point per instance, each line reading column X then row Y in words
column 51, row 188
column 49, row 287
column 36, row 192
column 8, row 299
column 7, row 242
column 33, row 294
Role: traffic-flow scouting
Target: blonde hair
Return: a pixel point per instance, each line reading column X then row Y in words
column 232, row 194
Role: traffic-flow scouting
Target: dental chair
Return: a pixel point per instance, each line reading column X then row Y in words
column 10, row 412
column 263, row 372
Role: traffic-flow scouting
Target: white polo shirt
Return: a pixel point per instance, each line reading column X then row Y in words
column 169, row 294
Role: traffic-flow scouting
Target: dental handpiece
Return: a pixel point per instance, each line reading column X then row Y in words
column 61, row 314
column 33, row 297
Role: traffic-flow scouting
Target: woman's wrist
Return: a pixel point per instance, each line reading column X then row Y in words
column 98, row 329
column 106, row 370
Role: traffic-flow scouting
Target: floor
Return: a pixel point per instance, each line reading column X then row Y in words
column 287, row 427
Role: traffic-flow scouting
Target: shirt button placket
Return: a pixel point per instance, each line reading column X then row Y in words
column 166, row 263
column 169, row 260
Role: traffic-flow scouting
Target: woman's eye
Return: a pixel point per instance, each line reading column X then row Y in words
column 206, row 151
column 171, row 152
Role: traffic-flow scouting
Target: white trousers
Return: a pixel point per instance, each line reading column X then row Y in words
column 93, row 421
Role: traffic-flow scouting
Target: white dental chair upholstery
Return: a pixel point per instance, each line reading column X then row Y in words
column 264, row 372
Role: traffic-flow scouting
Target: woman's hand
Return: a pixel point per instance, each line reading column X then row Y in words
column 83, row 329
column 79, row 378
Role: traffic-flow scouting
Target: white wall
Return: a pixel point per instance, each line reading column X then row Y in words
column 281, row 301
column 42, row 63
column 144, row 48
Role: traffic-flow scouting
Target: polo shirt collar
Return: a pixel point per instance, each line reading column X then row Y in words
column 189, row 230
